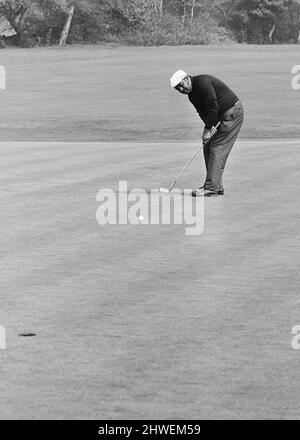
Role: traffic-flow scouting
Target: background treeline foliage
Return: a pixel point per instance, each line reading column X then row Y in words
column 149, row 22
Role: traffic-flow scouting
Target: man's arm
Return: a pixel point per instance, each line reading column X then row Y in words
column 208, row 108
column 205, row 101
column 211, row 104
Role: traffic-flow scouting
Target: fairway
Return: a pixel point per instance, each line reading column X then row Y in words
column 111, row 93
column 142, row 322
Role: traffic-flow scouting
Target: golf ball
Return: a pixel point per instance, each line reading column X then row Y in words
column 141, row 218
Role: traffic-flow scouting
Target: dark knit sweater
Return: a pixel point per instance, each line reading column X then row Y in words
column 211, row 98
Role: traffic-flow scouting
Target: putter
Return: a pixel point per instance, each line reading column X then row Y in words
column 167, row 190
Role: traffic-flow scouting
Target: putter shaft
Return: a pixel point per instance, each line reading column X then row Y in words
column 191, row 160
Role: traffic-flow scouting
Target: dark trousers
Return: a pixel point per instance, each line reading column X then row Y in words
column 216, row 152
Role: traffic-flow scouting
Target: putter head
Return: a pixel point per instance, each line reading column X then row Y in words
column 164, row 190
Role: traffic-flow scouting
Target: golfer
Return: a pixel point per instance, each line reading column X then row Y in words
column 214, row 102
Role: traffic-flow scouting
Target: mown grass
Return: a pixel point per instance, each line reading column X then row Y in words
column 112, row 93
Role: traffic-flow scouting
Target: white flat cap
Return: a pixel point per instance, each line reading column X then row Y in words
column 177, row 78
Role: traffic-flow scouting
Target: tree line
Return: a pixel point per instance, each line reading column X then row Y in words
column 149, row 22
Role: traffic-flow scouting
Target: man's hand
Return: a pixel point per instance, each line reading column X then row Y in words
column 213, row 131
column 206, row 137
column 208, row 134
